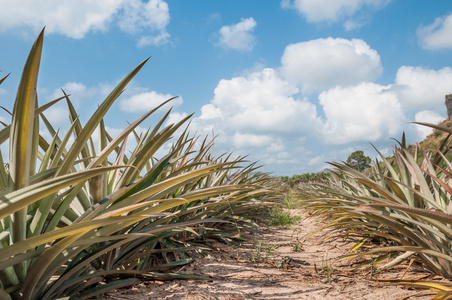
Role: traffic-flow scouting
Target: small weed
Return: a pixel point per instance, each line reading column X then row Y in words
column 297, row 244
column 290, row 200
column 373, row 268
column 438, row 133
column 261, row 252
column 282, row 218
column 326, row 269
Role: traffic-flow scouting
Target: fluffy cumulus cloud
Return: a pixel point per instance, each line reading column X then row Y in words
column 146, row 101
column 76, row 18
column 138, row 16
column 365, row 112
column 72, row 18
column 420, row 88
column 77, row 90
column 324, row 63
column 238, row 36
column 437, row 35
column 176, row 117
column 259, row 113
column 325, row 10
column 80, row 95
column 261, row 101
column 152, row 14
column 426, row 116
column 210, row 111
column 316, row 160
column 160, row 39
column 58, row 114
column 322, row 94
column 272, row 114
column 241, row 140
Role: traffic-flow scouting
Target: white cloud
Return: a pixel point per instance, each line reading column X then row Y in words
column 137, row 15
column 366, row 112
column 175, row 117
column 72, row 18
column 76, row 18
column 420, row 88
column 276, row 146
column 238, row 36
column 262, row 101
column 437, row 35
column 146, row 101
column 427, row 116
column 351, row 25
column 210, row 111
column 57, row 114
column 76, row 89
column 158, row 40
column 151, row 16
column 136, row 100
column 286, row 158
column 79, row 94
column 241, row 140
column 260, row 114
column 326, row 10
column 317, row 160
column 324, row 63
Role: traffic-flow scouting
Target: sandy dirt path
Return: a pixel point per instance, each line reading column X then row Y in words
column 279, row 264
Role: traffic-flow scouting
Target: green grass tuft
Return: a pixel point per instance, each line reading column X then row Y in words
column 282, row 218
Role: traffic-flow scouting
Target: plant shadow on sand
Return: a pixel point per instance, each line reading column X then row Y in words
column 280, row 264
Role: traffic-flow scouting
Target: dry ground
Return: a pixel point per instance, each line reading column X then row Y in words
column 279, row 264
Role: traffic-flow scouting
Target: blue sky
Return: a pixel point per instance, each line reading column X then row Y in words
column 292, row 83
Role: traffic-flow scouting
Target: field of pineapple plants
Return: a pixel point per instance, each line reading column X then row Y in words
column 79, row 220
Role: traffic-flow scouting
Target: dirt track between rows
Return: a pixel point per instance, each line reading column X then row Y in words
column 287, row 267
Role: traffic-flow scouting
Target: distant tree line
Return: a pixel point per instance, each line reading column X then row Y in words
column 356, row 160
column 304, row 178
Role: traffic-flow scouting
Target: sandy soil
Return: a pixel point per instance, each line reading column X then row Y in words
column 279, row 264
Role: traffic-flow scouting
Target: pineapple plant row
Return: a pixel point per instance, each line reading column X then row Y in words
column 78, row 220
